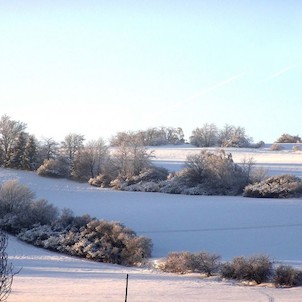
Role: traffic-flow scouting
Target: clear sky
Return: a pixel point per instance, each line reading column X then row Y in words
column 99, row 67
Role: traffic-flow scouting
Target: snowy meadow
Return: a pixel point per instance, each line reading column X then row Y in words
column 228, row 226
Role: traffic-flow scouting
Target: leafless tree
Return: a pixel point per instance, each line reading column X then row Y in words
column 91, row 160
column 206, row 136
column 49, row 148
column 7, row 271
column 9, row 132
column 72, row 144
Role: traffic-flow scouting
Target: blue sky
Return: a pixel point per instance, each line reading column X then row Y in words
column 99, row 67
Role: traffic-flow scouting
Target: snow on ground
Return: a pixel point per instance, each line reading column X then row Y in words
column 230, row 226
column 48, row 277
column 276, row 162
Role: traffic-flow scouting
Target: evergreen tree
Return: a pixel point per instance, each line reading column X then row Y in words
column 9, row 132
column 16, row 158
column 30, row 154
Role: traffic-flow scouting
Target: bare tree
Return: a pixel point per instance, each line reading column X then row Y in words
column 49, row 148
column 131, row 158
column 231, row 136
column 9, row 132
column 206, row 136
column 72, row 143
column 91, row 160
column 7, row 272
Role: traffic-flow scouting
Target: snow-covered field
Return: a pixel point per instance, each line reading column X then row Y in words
column 230, row 226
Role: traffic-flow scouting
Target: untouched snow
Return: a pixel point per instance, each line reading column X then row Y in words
column 230, row 226
column 47, row 276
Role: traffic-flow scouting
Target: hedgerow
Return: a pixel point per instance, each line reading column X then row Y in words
column 281, row 186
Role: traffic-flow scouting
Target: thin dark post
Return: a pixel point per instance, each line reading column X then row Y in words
column 126, row 288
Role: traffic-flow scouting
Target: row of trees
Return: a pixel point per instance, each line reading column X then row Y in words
column 125, row 166
column 150, row 137
column 209, row 135
column 289, row 139
column 72, row 158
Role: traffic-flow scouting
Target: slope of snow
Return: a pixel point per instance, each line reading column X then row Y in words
column 276, row 162
column 230, row 226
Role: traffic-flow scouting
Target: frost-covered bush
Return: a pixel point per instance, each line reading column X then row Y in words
column 98, row 240
column 276, row 147
column 146, row 181
column 59, row 167
column 143, row 186
column 211, row 173
column 36, row 235
column 255, row 268
column 14, row 197
column 185, row 262
column 282, row 186
column 67, row 220
column 18, row 209
column 207, row 263
column 102, row 180
column 286, row 275
column 180, row 263
column 152, row 173
column 288, row 138
column 172, row 186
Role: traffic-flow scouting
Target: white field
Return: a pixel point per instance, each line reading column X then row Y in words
column 230, row 226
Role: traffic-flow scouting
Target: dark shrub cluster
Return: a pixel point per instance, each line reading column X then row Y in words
column 19, row 210
column 255, row 268
column 286, row 275
column 282, row 186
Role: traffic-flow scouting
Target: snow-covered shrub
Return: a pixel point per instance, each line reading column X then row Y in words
column 276, row 147
column 207, row 263
column 288, row 138
column 143, row 186
column 59, row 167
column 254, row 268
column 40, row 211
column 185, row 262
column 18, row 210
column 14, row 197
column 178, row 262
column 281, row 186
column 114, row 243
column 102, row 180
column 98, row 240
column 211, row 173
column 68, row 221
column 172, row 186
column 286, row 275
column 146, row 181
column 36, row 235
column 152, row 173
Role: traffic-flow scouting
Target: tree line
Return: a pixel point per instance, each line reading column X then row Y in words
column 125, row 163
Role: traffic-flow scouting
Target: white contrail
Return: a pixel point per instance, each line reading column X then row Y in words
column 213, row 87
column 281, row 71
column 203, row 92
